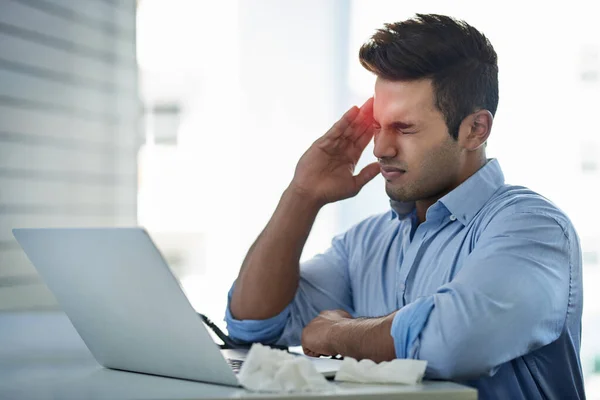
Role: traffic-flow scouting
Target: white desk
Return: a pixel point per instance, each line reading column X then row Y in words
column 43, row 357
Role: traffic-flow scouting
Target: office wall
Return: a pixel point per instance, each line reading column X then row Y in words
column 68, row 126
column 293, row 88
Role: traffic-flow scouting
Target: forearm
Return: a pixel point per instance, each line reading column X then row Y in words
column 269, row 276
column 364, row 338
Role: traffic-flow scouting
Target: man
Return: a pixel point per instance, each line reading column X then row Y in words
column 480, row 278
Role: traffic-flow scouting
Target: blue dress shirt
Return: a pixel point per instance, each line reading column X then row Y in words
column 488, row 288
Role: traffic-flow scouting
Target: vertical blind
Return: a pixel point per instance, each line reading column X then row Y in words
column 69, row 127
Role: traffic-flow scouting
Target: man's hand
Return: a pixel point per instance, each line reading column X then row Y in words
column 325, row 173
column 336, row 332
column 316, row 338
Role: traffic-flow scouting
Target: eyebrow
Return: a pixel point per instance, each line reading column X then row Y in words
column 399, row 124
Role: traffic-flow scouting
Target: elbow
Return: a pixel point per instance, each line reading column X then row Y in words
column 235, row 310
column 456, row 364
column 243, row 311
column 456, row 370
column 245, row 307
column 242, row 308
column 443, row 365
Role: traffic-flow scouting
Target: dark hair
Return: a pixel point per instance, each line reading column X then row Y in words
column 459, row 60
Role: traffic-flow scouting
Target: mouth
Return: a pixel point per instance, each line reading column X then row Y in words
column 391, row 173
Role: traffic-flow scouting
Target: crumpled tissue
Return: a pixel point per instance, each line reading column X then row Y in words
column 404, row 371
column 272, row 370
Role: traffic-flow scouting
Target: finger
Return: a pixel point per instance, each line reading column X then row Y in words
column 366, row 110
column 366, row 175
column 343, row 123
column 366, row 124
column 365, row 138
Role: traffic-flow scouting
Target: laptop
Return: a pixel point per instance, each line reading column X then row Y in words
column 125, row 303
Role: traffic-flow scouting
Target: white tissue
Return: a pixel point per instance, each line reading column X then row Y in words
column 408, row 372
column 271, row 370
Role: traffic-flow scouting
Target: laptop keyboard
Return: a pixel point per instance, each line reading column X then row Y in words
column 235, row 365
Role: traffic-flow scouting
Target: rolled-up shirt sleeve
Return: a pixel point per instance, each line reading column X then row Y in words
column 509, row 298
column 324, row 285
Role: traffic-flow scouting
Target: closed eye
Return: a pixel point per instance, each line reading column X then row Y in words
column 404, row 128
column 404, row 131
column 399, row 128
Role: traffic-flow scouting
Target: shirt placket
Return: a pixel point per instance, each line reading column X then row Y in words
column 413, row 257
column 407, row 264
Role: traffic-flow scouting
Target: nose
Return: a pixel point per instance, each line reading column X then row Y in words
column 384, row 145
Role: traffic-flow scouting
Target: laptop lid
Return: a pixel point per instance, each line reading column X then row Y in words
column 124, row 302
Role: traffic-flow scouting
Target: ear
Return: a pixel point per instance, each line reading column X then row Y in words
column 475, row 130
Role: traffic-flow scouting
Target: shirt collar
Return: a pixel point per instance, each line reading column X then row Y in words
column 466, row 200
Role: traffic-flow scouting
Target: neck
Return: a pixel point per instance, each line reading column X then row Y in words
column 470, row 168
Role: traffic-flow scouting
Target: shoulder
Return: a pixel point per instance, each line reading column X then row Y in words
column 519, row 208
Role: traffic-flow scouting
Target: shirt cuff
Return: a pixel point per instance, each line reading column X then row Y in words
column 407, row 325
column 266, row 331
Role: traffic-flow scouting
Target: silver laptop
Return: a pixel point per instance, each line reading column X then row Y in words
column 127, row 306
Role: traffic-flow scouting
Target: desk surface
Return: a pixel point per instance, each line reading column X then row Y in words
column 43, row 357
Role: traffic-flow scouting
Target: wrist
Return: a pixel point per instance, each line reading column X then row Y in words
column 296, row 193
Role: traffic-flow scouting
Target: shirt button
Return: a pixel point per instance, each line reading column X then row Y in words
column 452, row 218
column 402, row 286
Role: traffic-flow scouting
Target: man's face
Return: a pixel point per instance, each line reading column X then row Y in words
column 419, row 158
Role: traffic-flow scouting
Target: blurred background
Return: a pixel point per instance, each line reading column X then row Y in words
column 187, row 117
